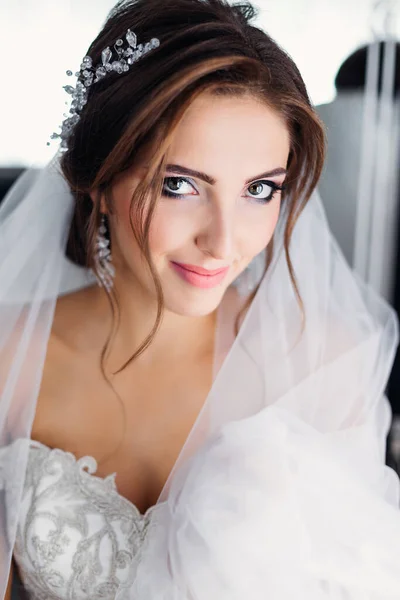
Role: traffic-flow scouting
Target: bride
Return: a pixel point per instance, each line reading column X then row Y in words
column 192, row 380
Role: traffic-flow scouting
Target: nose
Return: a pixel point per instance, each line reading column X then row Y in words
column 217, row 236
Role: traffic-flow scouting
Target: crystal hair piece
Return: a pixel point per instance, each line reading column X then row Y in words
column 119, row 60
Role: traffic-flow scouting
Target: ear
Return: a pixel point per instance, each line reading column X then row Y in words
column 94, row 197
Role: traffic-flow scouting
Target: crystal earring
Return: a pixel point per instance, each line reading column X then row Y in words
column 104, row 271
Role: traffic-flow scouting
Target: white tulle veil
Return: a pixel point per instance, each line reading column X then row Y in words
column 281, row 490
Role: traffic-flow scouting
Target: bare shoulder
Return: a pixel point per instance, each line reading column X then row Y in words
column 29, row 351
column 69, row 369
column 71, row 315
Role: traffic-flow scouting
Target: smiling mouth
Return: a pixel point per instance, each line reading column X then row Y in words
column 200, row 277
column 202, row 270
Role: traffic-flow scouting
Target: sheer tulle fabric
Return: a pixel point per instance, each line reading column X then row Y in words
column 281, row 490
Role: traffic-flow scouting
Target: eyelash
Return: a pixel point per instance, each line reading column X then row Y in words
column 275, row 188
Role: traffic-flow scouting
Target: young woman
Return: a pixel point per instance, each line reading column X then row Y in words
column 192, row 380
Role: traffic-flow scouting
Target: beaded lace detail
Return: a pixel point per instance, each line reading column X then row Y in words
column 77, row 536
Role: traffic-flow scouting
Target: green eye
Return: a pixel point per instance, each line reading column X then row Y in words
column 256, row 188
column 263, row 191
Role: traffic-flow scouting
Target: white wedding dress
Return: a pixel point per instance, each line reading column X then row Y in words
column 76, row 535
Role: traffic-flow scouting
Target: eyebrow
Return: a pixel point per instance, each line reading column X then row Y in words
column 212, row 181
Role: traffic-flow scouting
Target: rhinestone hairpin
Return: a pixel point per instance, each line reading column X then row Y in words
column 119, row 60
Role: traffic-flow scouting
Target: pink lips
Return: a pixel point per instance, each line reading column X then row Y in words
column 199, row 277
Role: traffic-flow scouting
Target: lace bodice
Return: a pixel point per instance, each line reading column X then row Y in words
column 76, row 534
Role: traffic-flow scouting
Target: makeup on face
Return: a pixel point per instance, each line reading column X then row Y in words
column 175, row 172
column 198, row 276
column 219, row 201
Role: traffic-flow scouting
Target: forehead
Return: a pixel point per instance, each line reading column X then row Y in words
column 241, row 135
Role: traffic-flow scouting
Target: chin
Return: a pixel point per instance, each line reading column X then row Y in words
column 195, row 307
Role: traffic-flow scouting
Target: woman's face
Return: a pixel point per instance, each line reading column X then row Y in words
column 219, row 207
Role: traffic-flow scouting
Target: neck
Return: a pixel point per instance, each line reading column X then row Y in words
column 177, row 338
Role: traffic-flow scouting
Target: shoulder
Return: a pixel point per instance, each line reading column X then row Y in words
column 81, row 320
column 40, row 364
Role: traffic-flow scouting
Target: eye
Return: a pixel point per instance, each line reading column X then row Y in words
column 263, row 191
column 174, row 187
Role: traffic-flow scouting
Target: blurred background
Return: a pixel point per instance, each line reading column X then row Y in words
column 348, row 54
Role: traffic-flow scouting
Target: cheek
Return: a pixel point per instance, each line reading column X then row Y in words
column 259, row 234
column 123, row 229
column 159, row 230
column 125, row 248
column 170, row 229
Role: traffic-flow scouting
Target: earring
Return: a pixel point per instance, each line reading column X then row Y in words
column 104, row 271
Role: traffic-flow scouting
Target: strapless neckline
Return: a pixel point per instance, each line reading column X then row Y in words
column 88, row 464
column 77, row 536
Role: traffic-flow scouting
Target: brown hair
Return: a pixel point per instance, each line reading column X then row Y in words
column 205, row 45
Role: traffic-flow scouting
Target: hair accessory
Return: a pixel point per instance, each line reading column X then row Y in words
column 105, row 271
column 119, row 60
